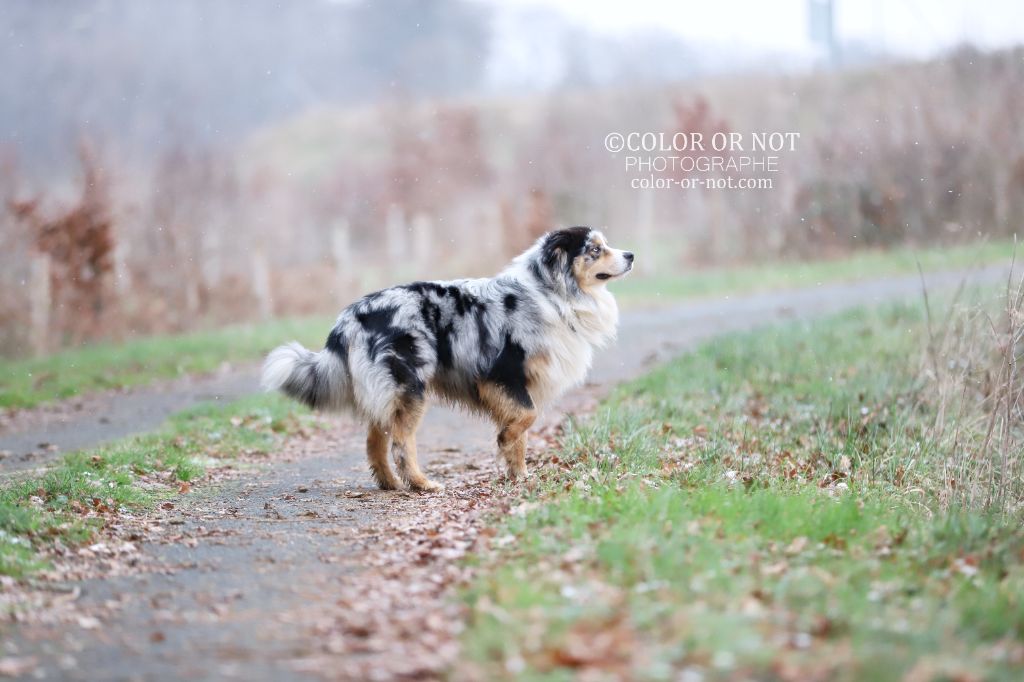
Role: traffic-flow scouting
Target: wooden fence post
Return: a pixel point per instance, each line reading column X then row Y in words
column 39, row 299
column 261, row 285
column 422, row 241
column 396, row 235
column 645, row 229
column 341, row 254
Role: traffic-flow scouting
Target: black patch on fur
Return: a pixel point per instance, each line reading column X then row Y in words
column 423, row 288
column 511, row 302
column 537, row 273
column 570, row 241
column 445, row 359
column 482, row 333
column 377, row 320
column 316, row 396
column 404, row 358
column 463, row 300
column 338, row 344
column 378, row 325
column 431, row 314
column 440, row 326
column 404, row 347
column 509, row 372
column 403, row 363
column 460, row 301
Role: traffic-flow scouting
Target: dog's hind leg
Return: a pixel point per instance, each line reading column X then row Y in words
column 377, row 453
column 403, row 445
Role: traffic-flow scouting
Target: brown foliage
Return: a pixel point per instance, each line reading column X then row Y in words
column 435, row 159
column 79, row 244
column 697, row 117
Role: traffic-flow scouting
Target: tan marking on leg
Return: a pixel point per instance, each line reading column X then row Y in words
column 377, row 454
column 537, row 368
column 512, row 444
column 403, row 446
column 512, row 420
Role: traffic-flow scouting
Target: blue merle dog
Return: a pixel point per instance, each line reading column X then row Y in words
column 503, row 346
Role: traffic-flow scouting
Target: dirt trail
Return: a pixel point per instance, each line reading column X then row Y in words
column 300, row 569
column 33, row 437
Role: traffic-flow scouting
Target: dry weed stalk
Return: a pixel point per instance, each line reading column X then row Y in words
column 974, row 373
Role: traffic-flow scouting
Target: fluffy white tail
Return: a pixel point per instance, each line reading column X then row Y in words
column 318, row 380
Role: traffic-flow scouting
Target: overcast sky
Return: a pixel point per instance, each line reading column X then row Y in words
column 910, row 27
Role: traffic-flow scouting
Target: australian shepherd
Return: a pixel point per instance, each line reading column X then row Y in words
column 504, row 346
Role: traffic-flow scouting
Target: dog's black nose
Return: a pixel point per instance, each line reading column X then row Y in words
column 628, row 256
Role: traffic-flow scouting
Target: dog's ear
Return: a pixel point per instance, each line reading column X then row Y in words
column 561, row 246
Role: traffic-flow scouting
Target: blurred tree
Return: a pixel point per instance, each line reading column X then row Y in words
column 420, row 46
column 152, row 75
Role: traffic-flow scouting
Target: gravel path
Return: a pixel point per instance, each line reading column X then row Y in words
column 298, row 568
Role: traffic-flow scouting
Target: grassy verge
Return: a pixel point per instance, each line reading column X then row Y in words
column 87, row 489
column 670, row 284
column 26, row 383
column 774, row 505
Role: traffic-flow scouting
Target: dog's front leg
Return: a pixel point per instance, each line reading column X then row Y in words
column 512, row 443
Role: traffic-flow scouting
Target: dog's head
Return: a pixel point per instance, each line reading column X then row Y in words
column 581, row 258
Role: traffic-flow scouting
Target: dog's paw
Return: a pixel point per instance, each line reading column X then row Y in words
column 389, row 485
column 427, row 486
column 517, row 475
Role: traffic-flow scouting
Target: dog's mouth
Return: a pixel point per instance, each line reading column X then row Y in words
column 607, row 275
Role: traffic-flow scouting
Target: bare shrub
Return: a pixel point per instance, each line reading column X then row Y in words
column 182, row 240
column 711, row 238
column 437, row 158
column 924, row 155
column 78, row 243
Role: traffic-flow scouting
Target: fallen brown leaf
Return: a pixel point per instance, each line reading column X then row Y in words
column 798, row 545
column 13, row 666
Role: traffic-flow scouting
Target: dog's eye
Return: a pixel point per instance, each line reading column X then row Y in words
column 595, row 251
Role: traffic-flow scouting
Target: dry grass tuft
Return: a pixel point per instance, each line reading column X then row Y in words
column 974, row 370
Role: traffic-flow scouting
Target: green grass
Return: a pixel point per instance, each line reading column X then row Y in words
column 768, row 506
column 86, row 489
column 26, row 383
column 673, row 282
